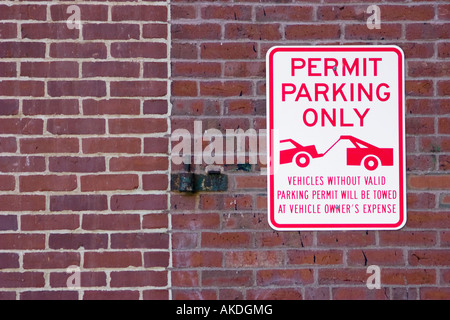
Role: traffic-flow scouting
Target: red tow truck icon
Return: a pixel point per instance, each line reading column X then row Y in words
column 363, row 154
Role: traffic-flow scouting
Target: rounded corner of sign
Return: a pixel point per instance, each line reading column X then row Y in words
column 399, row 51
column 271, row 52
column 401, row 224
column 273, row 224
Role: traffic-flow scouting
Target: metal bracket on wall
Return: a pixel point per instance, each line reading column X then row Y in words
column 188, row 182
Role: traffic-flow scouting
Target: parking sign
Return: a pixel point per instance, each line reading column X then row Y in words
column 336, row 138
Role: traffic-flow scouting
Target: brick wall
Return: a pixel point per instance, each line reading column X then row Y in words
column 84, row 150
column 85, row 123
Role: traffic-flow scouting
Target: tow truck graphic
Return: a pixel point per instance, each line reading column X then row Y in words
column 363, row 154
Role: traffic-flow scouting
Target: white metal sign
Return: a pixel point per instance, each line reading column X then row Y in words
column 336, row 144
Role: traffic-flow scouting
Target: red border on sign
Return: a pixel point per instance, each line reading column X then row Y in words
column 401, row 155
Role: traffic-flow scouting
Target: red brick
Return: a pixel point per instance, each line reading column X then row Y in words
column 421, row 201
column 154, row 31
column 196, row 69
column 49, row 222
column 139, row 13
column 237, row 31
column 155, row 70
column 156, row 259
column 184, row 88
column 23, row 12
column 8, row 31
column 22, row 164
column 76, row 241
column 160, row 107
column 138, row 202
column 9, row 107
column 196, row 221
column 109, row 182
column 112, row 259
column 427, row 31
column 57, row 31
column 284, row 13
column 111, row 295
column 22, row 241
column 138, row 88
column 358, row 293
column 434, row 293
column 279, row 277
column 111, row 145
column 89, row 12
column 139, row 164
column 110, row 31
column 8, row 223
column 141, row 125
column 221, row 12
column 111, row 106
column 315, row 257
column 254, row 258
column 7, row 183
column 47, row 183
column 155, row 182
column 88, row 279
column 429, row 182
column 153, row 50
column 155, row 221
column 77, row 164
column 111, row 222
column 443, row 88
column 444, row 50
column 22, row 88
column 49, row 295
column 23, row 126
column 227, row 50
column 48, row 145
column 22, row 203
column 225, row 89
column 8, row 145
column 408, row 277
column 201, row 31
column 361, row 32
column 111, row 69
column 225, row 240
column 22, row 280
column 50, row 260
column 275, row 294
column 140, row 241
column 428, row 219
column 225, row 278
column 184, row 50
column 83, row 88
column 22, row 50
column 138, row 279
column 420, row 125
column 50, row 107
column 78, row 203
column 318, row 31
column 428, row 69
column 350, row 238
column 58, row 69
column 156, row 145
column 429, row 257
column 195, row 259
column 9, row 260
column 185, row 278
column 77, row 50
column 375, row 257
column 76, row 126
